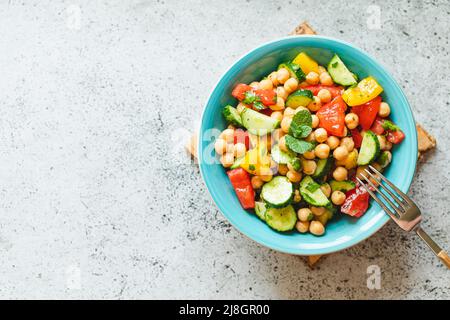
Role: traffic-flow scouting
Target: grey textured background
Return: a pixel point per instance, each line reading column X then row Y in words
column 97, row 199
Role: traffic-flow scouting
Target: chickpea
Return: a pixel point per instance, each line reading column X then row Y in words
column 303, row 84
column 281, row 92
column 318, row 211
column 291, row 85
column 256, row 182
column 282, row 144
column 285, row 124
column 345, row 132
column 316, row 228
column 315, row 104
column 254, row 85
column 289, row 112
column 382, row 140
column 283, row 75
column 227, row 135
column 315, row 121
column 279, row 105
column 338, row 197
column 283, row 169
column 348, row 143
column 220, row 146
column 311, row 137
column 266, row 84
column 323, row 219
column 321, row 135
column 326, row 79
column 227, row 160
column 309, row 155
column 340, row 174
column 273, row 77
column 230, row 126
column 309, row 166
column 322, row 70
column 294, row 176
column 388, row 145
column 302, row 226
column 290, row 167
column 277, row 115
column 312, row 78
column 305, row 214
column 300, row 108
column 324, row 95
column 239, row 150
column 240, row 107
column 230, row 148
column 266, row 177
column 361, row 173
column 297, row 196
column 340, row 153
column 322, row 151
column 385, row 110
column 351, row 120
column 326, row 189
column 389, row 159
column 277, row 134
column 333, row 142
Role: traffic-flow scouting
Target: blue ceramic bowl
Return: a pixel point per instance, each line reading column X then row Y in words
column 343, row 231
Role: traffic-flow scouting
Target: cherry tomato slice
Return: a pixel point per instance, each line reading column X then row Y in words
column 240, row 180
column 240, row 90
column 377, row 126
column 356, row 202
column 267, row 97
column 357, row 137
column 395, row 137
column 332, row 117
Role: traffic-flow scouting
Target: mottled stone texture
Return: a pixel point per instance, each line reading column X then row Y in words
column 97, row 198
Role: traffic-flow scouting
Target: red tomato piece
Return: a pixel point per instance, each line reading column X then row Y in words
column 334, row 90
column 267, row 97
column 241, row 136
column 332, row 117
column 377, row 126
column 240, row 90
column 395, row 137
column 367, row 112
column 357, row 137
column 356, row 202
column 266, row 111
column 240, row 180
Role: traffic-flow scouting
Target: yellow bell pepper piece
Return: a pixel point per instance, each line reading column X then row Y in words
column 350, row 161
column 306, row 63
column 367, row 89
column 257, row 161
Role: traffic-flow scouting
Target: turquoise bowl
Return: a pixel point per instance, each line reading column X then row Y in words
column 343, row 231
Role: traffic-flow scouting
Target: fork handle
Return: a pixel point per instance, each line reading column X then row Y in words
column 438, row 251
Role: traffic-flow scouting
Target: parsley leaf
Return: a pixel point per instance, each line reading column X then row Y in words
column 258, row 105
column 298, row 146
column 389, row 125
column 249, row 97
column 301, row 124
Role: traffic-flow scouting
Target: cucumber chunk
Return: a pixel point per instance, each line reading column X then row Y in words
column 340, row 73
column 311, row 193
column 281, row 157
column 282, row 219
column 343, row 186
column 370, row 148
column 232, row 116
column 260, row 210
column 278, row 192
column 323, row 168
column 294, row 70
column 299, row 98
column 258, row 123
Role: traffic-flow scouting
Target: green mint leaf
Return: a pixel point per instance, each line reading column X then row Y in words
column 249, row 97
column 298, row 146
column 389, row 125
column 301, row 124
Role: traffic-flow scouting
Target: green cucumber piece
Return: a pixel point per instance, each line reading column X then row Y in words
column 340, row 73
column 258, row 123
column 343, row 186
column 281, row 219
column 323, row 168
column 232, row 116
column 260, row 210
column 237, row 163
column 370, row 148
column 278, row 192
column 311, row 193
column 294, row 70
column 299, row 98
column 280, row 156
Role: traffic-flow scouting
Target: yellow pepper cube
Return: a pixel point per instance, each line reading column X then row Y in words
column 367, row 89
column 306, row 63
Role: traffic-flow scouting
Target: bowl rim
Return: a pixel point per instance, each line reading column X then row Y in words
column 380, row 222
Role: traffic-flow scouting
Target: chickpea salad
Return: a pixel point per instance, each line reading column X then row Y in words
column 298, row 138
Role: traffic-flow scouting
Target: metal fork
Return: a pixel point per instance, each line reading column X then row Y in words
column 401, row 208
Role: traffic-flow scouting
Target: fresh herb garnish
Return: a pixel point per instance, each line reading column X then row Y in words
column 389, row 125
column 301, row 124
column 249, row 97
column 298, row 146
column 296, row 164
column 258, row 105
column 251, row 167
